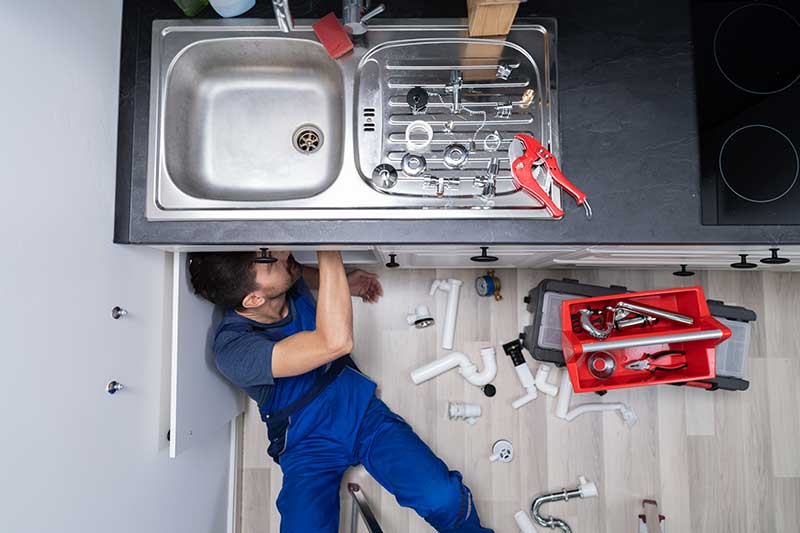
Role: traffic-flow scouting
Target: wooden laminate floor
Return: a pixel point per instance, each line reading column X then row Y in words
column 716, row 462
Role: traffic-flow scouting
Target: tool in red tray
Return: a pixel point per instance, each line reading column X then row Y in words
column 535, row 169
column 668, row 360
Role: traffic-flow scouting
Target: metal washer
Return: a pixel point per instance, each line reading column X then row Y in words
column 455, row 155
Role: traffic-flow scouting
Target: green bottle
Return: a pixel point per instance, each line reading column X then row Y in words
column 191, row 8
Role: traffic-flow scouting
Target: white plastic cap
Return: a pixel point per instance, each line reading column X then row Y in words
column 629, row 416
column 588, row 488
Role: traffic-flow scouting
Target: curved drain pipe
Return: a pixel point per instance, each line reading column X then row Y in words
column 565, row 396
column 585, row 489
column 465, row 367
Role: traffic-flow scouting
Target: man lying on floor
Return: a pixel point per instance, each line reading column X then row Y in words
column 291, row 355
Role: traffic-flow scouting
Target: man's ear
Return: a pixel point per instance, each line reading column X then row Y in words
column 252, row 300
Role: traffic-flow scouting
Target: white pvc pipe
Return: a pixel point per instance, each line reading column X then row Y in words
column 468, row 412
column 565, row 396
column 584, row 408
column 465, row 367
column 524, row 522
column 527, row 380
column 452, row 287
column 541, row 380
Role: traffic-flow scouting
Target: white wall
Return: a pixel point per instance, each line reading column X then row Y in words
column 73, row 458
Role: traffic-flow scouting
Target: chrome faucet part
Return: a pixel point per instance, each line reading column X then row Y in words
column 454, row 88
column 652, row 311
column 352, row 16
column 591, row 329
column 413, row 165
column 488, row 182
column 441, row 184
column 643, row 321
column 283, row 15
column 503, row 110
column 503, row 71
column 384, row 176
column 455, row 155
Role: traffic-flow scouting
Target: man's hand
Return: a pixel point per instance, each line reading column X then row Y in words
column 365, row 285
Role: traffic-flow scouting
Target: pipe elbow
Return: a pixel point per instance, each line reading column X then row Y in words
column 485, row 376
column 542, row 374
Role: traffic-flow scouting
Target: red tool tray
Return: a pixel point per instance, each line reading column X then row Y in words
column 636, row 341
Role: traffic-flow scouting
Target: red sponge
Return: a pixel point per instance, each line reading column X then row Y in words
column 331, row 34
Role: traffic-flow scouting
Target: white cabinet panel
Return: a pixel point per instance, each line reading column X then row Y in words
column 447, row 256
column 202, row 402
column 711, row 257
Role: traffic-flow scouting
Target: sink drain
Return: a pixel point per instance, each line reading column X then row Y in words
column 307, row 139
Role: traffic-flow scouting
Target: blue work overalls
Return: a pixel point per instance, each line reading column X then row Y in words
column 322, row 422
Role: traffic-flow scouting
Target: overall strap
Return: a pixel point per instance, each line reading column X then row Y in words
column 322, row 381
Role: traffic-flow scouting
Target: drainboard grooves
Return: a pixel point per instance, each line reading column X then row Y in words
column 457, row 122
column 486, row 104
column 466, row 63
column 395, row 83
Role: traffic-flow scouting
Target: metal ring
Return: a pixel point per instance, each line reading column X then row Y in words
column 492, row 142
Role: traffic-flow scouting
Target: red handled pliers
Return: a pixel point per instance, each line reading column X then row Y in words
column 665, row 360
column 533, row 156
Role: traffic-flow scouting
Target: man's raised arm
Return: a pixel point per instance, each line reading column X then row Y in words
column 333, row 336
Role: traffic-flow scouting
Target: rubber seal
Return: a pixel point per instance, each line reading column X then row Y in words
column 418, row 127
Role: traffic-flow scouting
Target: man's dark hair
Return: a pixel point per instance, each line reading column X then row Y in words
column 223, row 278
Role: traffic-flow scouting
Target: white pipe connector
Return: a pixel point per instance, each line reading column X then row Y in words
column 542, row 374
column 468, row 412
column 502, row 451
column 524, row 522
column 565, row 396
column 452, row 287
column 526, row 378
column 465, row 367
column 420, row 318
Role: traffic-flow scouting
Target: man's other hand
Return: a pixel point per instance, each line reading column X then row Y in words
column 365, row 285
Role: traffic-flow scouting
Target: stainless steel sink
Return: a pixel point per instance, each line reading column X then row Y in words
column 247, row 123
column 253, row 118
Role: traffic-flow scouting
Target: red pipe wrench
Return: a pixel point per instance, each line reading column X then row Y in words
column 528, row 156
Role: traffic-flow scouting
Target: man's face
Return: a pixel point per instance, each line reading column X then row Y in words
column 274, row 279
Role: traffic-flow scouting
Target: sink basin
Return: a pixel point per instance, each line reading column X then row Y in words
column 253, row 118
column 249, row 123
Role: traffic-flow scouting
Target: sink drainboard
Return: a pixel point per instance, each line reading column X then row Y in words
column 475, row 103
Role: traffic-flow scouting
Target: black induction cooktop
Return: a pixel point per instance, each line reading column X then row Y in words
column 747, row 72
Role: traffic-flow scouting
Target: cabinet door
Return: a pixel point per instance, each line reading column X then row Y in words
column 459, row 256
column 202, row 402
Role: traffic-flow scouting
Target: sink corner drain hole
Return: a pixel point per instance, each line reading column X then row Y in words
column 307, row 139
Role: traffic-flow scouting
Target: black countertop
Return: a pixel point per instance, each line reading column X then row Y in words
column 627, row 120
